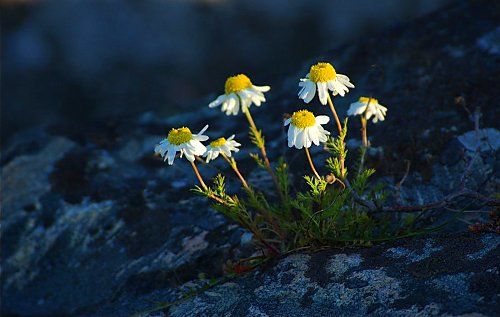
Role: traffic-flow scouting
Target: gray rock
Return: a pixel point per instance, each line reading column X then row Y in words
column 94, row 225
column 83, row 227
column 482, row 140
column 405, row 278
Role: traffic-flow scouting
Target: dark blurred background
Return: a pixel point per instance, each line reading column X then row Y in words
column 75, row 61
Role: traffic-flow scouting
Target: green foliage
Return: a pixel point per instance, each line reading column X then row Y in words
column 334, row 165
column 360, row 183
column 336, row 147
column 283, row 177
column 258, row 160
column 325, row 212
column 256, row 137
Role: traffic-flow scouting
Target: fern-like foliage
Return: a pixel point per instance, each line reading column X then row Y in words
column 324, row 213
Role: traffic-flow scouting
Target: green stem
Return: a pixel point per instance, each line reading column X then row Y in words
column 233, row 165
column 265, row 212
column 257, row 135
column 332, row 108
column 258, row 236
column 339, row 127
column 363, row 131
column 312, row 164
column 199, row 176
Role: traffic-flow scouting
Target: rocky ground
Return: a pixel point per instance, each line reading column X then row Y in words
column 446, row 275
column 94, row 225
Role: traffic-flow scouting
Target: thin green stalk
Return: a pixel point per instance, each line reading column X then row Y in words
column 260, row 144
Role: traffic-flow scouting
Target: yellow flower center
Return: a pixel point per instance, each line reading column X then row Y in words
column 218, row 142
column 370, row 100
column 322, row 72
column 303, row 119
column 179, row 136
column 237, row 83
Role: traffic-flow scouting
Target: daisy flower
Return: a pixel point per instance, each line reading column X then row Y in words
column 305, row 129
column 182, row 140
column 369, row 107
column 239, row 92
column 323, row 77
column 221, row 146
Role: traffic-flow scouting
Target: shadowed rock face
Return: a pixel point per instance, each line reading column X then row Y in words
column 445, row 274
column 123, row 57
column 93, row 224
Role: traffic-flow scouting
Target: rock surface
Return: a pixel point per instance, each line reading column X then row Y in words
column 123, row 57
column 446, row 275
column 94, row 225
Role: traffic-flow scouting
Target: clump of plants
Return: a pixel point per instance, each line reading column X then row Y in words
column 340, row 208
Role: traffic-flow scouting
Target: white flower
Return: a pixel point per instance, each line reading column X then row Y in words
column 305, row 129
column 368, row 107
column 221, row 145
column 184, row 141
column 239, row 91
column 323, row 77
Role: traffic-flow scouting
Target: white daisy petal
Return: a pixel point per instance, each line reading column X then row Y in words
column 233, row 104
column 188, row 146
column 245, row 103
column 322, row 92
column 324, row 78
column 240, row 93
column 200, row 137
column 291, row 134
column 203, row 130
column 235, row 144
column 255, row 97
column 224, row 105
column 330, row 86
column 226, row 151
column 345, row 80
column 380, row 117
column 296, row 132
column 218, row 101
column 323, row 135
column 307, row 137
column 302, row 84
column 262, row 88
column 310, row 91
column 309, row 132
column 314, row 136
column 299, row 141
column 190, row 157
column 356, row 108
column 161, row 148
column 183, row 141
column 368, row 107
column 221, row 145
column 199, row 149
column 322, row 119
column 305, row 90
column 170, row 156
column 339, row 87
